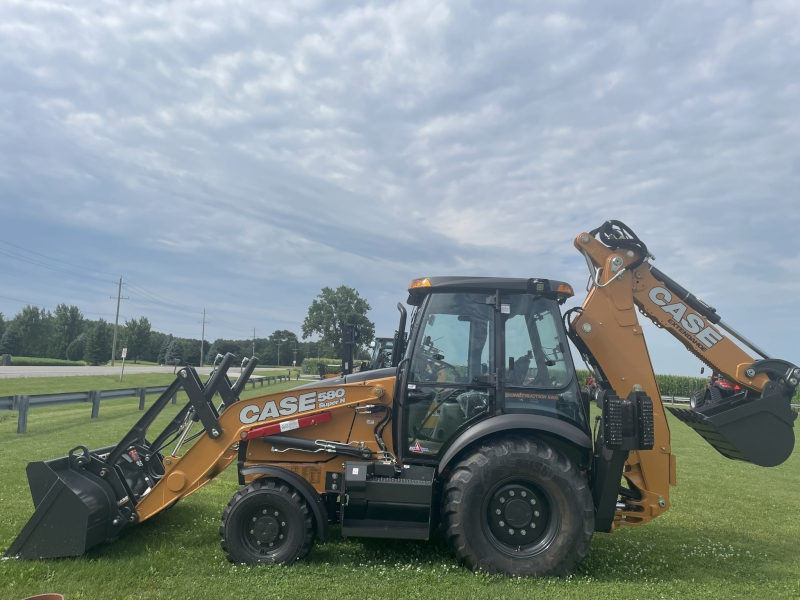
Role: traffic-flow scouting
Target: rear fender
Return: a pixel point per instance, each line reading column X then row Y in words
column 308, row 492
column 567, row 438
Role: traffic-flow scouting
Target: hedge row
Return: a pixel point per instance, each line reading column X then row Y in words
column 309, row 365
column 30, row 361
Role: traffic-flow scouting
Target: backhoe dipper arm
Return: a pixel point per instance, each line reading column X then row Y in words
column 756, row 425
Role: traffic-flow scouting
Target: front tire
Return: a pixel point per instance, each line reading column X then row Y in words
column 266, row 522
column 696, row 399
column 518, row 506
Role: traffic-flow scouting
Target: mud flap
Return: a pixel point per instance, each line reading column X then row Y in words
column 759, row 431
column 76, row 507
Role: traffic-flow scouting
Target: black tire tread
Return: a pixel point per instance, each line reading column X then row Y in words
column 538, row 450
column 283, row 488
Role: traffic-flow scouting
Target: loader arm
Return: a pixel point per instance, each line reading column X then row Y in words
column 252, row 419
column 755, row 426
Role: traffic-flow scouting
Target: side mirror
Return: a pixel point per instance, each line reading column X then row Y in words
column 702, row 370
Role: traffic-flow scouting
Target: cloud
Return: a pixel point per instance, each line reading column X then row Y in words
column 302, row 144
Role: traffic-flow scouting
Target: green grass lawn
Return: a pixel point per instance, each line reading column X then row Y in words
column 732, row 532
column 83, row 383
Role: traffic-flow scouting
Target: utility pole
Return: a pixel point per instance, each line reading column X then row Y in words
column 203, row 338
column 279, row 350
column 116, row 322
column 254, row 342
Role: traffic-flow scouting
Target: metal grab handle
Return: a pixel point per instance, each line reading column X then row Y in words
column 217, row 376
column 242, row 381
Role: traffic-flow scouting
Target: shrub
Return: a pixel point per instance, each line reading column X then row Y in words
column 309, row 365
column 174, row 352
column 28, row 361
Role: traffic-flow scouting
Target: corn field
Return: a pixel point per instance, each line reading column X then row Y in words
column 670, row 385
column 675, row 385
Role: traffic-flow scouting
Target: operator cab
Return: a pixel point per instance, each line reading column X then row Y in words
column 381, row 353
column 481, row 347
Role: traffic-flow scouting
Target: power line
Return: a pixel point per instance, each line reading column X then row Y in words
column 56, row 259
column 39, row 263
column 156, row 299
column 48, row 282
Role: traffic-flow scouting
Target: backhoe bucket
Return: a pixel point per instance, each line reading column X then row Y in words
column 759, row 431
column 76, row 508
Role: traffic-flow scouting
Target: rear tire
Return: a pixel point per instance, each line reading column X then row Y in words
column 518, row 506
column 266, row 522
column 696, row 399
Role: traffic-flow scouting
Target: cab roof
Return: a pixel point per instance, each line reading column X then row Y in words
column 419, row 288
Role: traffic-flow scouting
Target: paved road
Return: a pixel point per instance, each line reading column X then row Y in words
column 14, row 372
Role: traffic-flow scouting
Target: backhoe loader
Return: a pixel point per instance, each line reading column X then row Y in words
column 480, row 430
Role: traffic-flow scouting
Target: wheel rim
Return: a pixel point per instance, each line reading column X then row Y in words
column 265, row 530
column 520, row 518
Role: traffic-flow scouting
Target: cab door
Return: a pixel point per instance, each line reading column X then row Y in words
column 448, row 381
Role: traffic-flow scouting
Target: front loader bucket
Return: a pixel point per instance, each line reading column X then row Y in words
column 759, row 431
column 88, row 497
column 76, row 508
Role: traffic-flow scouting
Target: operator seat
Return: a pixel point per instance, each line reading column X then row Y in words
column 520, row 370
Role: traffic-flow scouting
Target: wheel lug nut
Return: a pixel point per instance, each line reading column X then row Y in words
column 265, row 511
column 497, row 510
column 533, row 525
column 523, row 494
column 511, row 531
column 502, row 523
column 276, row 513
column 533, row 501
column 536, row 513
column 280, row 537
column 259, row 543
column 522, row 532
column 254, row 519
column 271, row 544
column 511, row 493
column 252, row 532
column 502, row 500
column 283, row 524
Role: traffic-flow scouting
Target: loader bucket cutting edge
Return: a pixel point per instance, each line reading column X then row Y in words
column 758, row 431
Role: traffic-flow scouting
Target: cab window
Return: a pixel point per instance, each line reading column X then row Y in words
column 539, row 375
column 448, row 382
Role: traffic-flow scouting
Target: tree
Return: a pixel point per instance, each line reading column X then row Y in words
column 11, row 342
column 174, row 352
column 137, row 337
column 30, row 326
column 191, row 354
column 2, row 326
column 283, row 341
column 162, row 352
column 225, row 346
column 332, row 310
column 98, row 344
column 67, row 326
column 76, row 348
column 154, row 346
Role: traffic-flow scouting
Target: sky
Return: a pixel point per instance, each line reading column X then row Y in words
column 239, row 156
